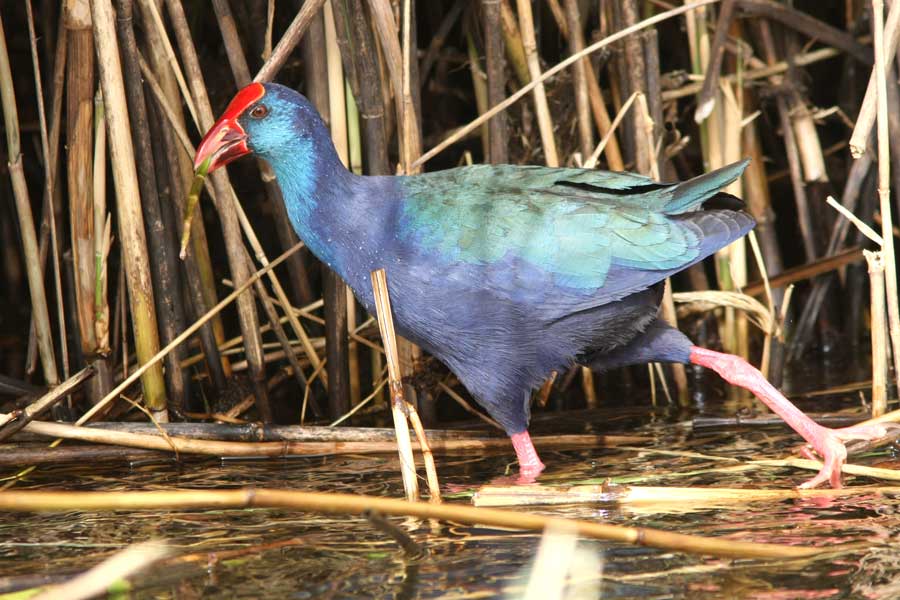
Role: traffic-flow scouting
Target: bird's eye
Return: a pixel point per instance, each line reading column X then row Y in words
column 259, row 111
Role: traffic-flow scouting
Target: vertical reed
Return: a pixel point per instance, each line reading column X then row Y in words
column 542, row 109
column 249, row 320
column 26, row 219
column 884, row 182
column 131, row 223
column 496, row 79
column 399, row 407
column 198, row 264
column 161, row 243
column 879, row 330
column 80, row 150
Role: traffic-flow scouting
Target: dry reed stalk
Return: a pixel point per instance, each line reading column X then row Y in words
column 44, row 403
column 662, row 498
column 810, row 26
column 560, row 16
column 589, row 387
column 884, row 184
column 601, row 119
column 434, row 486
column 512, row 39
column 439, row 36
column 736, row 252
column 257, row 432
column 759, row 202
column 100, row 578
column 398, row 402
column 498, row 151
column 289, row 40
column 79, row 136
column 225, row 205
column 582, row 101
column 396, row 59
column 411, row 105
column 541, row 108
column 815, row 465
column 867, row 110
column 718, row 140
column 154, row 361
column 167, row 154
column 102, row 225
column 812, row 157
column 37, row 292
column 792, row 151
column 164, row 270
column 344, row 504
column 875, row 261
column 340, row 136
column 130, row 218
column 609, row 136
column 807, row 271
column 200, row 277
column 479, row 86
column 153, row 7
column 461, row 132
column 774, row 333
column 679, row 374
column 637, row 82
column 706, row 99
column 49, row 190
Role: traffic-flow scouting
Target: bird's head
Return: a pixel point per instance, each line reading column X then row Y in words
column 267, row 119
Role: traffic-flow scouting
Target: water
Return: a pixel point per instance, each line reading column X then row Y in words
column 286, row 554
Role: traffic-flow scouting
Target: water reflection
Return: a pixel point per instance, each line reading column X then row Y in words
column 279, row 553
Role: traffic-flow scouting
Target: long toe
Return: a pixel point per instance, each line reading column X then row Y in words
column 831, row 448
column 830, row 445
column 873, row 432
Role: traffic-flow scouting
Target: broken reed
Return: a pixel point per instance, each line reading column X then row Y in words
column 403, row 412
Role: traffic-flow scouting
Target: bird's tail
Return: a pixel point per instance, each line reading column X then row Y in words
column 690, row 195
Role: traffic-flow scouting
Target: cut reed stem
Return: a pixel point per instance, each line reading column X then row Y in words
column 398, row 402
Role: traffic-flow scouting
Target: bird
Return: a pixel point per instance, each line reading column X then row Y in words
column 506, row 273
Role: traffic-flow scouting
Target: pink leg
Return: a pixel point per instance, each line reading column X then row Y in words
column 530, row 464
column 828, row 443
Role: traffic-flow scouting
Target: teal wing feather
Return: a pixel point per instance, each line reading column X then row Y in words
column 574, row 224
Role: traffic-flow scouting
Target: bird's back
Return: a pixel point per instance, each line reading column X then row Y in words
column 565, row 240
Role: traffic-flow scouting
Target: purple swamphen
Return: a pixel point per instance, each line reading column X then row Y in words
column 506, row 273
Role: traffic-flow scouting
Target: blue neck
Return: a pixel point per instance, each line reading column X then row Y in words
column 317, row 189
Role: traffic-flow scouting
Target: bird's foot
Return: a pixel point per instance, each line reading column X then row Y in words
column 830, row 445
column 530, row 465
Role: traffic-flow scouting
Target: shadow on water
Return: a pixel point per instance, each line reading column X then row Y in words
column 280, row 553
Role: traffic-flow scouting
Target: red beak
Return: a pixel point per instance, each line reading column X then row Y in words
column 227, row 140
